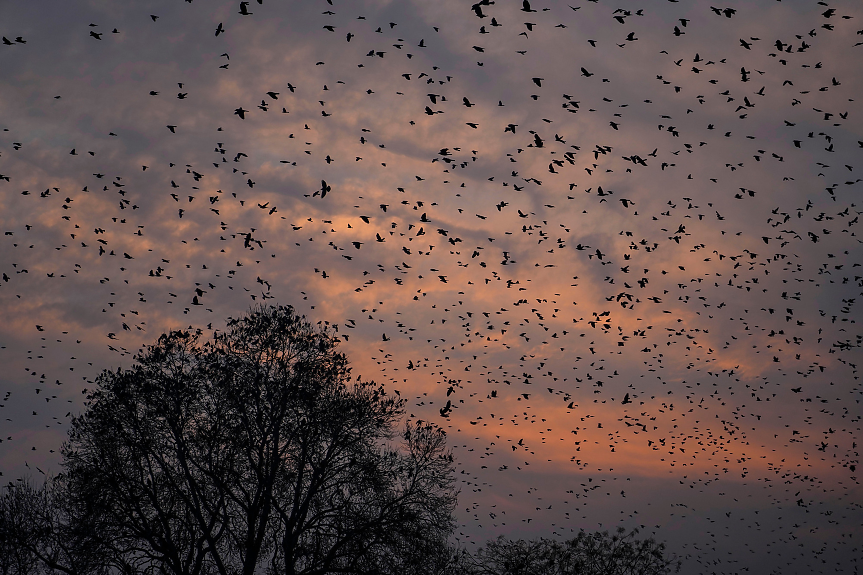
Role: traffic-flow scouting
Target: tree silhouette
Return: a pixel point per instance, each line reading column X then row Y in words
column 43, row 529
column 598, row 553
column 253, row 452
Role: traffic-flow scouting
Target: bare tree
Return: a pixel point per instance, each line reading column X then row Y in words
column 17, row 503
column 254, row 452
column 43, row 530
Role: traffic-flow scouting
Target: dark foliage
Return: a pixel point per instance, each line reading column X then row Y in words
column 598, row 553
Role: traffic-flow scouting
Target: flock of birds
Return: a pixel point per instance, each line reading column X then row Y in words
column 611, row 248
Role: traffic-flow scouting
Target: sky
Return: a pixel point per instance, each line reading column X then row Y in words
column 609, row 247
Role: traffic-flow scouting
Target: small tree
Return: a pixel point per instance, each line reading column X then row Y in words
column 254, row 452
column 42, row 530
column 17, row 503
column 598, row 553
